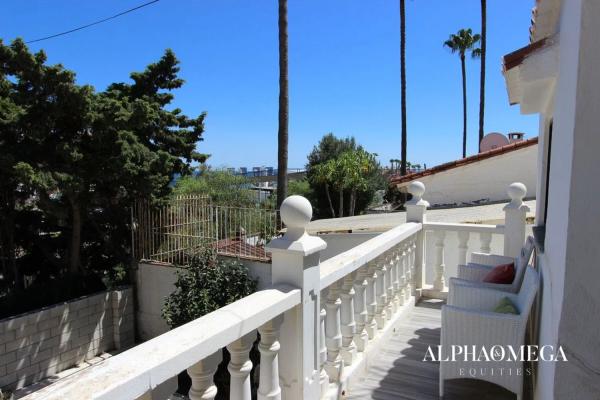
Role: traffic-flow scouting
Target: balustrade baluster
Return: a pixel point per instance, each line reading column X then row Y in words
column 240, row 366
column 413, row 267
column 333, row 333
column 463, row 246
column 403, row 266
column 409, row 271
column 380, row 316
column 360, row 308
column 201, row 374
column 439, row 281
column 268, row 387
column 323, row 377
column 399, row 289
column 485, row 238
column 389, row 307
column 347, row 320
column 371, row 325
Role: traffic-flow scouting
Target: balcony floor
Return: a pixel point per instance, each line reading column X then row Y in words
column 400, row 373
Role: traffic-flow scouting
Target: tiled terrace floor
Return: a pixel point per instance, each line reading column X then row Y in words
column 400, row 373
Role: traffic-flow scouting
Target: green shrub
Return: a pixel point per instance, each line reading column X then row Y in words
column 202, row 287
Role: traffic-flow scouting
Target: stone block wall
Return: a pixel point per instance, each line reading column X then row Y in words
column 41, row 343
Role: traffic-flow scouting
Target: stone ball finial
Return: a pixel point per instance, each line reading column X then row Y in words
column 296, row 212
column 417, row 189
column 516, row 192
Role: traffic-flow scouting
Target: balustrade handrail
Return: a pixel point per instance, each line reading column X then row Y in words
column 347, row 262
column 457, row 227
column 136, row 371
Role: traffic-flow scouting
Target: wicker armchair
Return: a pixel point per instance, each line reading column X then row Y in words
column 482, row 263
column 471, row 321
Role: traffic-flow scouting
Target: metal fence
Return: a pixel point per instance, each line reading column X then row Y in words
column 174, row 232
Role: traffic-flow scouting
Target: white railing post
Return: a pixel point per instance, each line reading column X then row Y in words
column 389, row 280
column 371, row 325
column 515, row 214
column 323, row 377
column 405, row 274
column 416, row 212
column 347, row 320
column 240, row 366
column 397, row 273
column 463, row 246
column 295, row 261
column 360, row 308
column 333, row 333
column 380, row 316
column 439, row 282
column 269, row 346
column 485, row 240
column 201, row 374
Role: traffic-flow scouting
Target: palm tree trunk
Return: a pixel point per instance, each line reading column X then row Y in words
column 482, row 77
column 329, row 200
column 403, row 83
column 341, row 205
column 464, row 87
column 282, row 134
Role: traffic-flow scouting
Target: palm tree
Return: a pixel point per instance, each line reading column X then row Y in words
column 403, row 84
column 482, row 76
column 282, row 134
column 461, row 42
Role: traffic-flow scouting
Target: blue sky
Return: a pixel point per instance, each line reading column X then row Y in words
column 344, row 68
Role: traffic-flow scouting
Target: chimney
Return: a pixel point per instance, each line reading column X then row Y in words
column 515, row 137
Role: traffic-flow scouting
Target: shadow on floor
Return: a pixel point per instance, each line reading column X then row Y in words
column 401, row 373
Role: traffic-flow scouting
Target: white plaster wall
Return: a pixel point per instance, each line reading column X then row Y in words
column 155, row 282
column 485, row 180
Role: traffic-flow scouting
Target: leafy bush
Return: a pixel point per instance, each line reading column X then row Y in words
column 204, row 286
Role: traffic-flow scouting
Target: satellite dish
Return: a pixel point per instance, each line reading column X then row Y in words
column 492, row 141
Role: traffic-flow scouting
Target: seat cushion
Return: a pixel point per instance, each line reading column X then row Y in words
column 504, row 273
column 505, row 306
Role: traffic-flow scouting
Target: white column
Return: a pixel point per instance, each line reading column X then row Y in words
column 240, row 366
column 380, row 316
column 360, row 308
column 485, row 239
column 371, row 325
column 389, row 280
column 347, row 320
column 404, row 273
column 268, row 387
column 296, row 262
column 398, row 277
column 413, row 266
column 333, row 333
column 439, row 282
column 416, row 212
column 201, row 374
column 463, row 246
column 323, row 377
column 515, row 214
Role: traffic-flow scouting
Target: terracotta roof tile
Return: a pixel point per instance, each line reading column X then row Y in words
column 239, row 248
column 517, row 57
column 397, row 179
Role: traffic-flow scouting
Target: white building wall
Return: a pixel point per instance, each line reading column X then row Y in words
column 485, row 180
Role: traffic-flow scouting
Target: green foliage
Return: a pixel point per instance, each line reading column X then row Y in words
column 463, row 41
column 73, row 160
column 222, row 187
column 340, row 165
column 204, row 286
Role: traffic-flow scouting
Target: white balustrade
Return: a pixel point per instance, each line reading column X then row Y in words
column 269, row 346
column 239, row 367
column 333, row 333
column 371, row 294
column 347, row 320
column 439, row 281
column 360, row 308
column 201, row 374
column 325, row 317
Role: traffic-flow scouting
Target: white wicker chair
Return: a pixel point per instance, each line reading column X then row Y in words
column 482, row 263
column 471, row 321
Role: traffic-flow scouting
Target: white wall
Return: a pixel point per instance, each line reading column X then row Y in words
column 484, row 180
column 155, row 282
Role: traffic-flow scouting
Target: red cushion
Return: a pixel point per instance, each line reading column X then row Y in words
column 501, row 274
